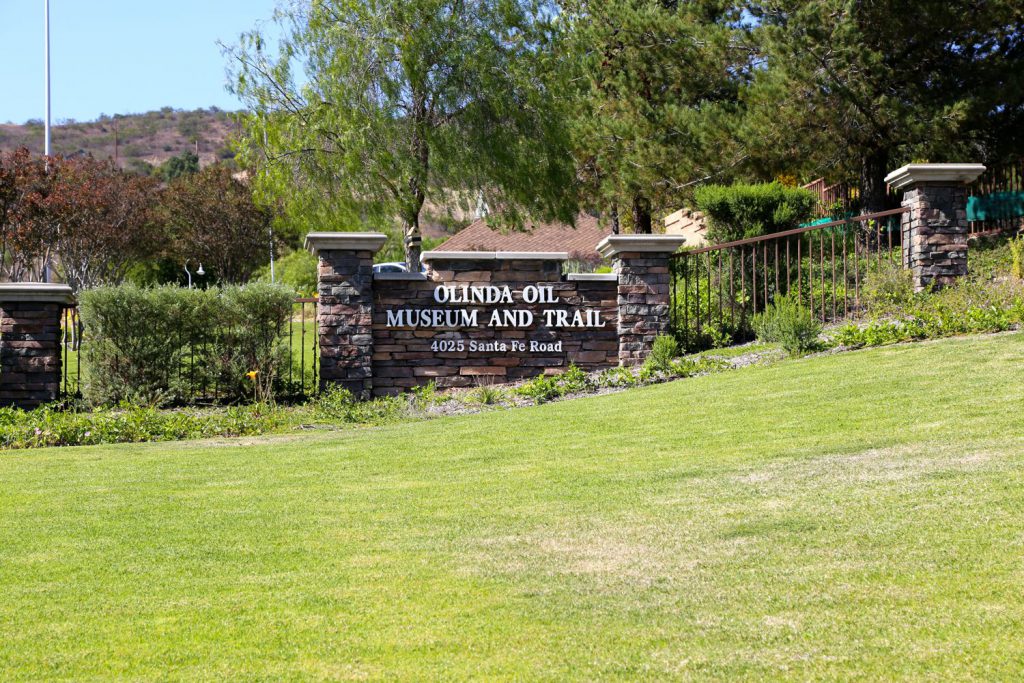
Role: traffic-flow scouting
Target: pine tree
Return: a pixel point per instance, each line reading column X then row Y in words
column 654, row 87
column 858, row 88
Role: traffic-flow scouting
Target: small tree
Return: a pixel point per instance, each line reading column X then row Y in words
column 23, row 242
column 212, row 218
column 401, row 102
column 741, row 211
column 185, row 163
column 96, row 217
column 654, row 87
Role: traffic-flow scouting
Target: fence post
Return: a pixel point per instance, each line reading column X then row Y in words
column 344, row 311
column 935, row 229
column 642, row 265
column 30, row 362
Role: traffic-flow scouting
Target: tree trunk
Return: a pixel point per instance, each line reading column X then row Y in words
column 417, row 183
column 873, row 168
column 413, row 243
column 641, row 215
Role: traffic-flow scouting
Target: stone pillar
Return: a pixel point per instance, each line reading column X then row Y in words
column 344, row 312
column 935, row 229
column 30, row 342
column 641, row 263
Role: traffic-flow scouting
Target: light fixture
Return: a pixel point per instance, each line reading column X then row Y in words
column 200, row 271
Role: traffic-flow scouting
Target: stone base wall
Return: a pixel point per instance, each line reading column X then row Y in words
column 30, row 353
column 935, row 233
column 344, row 319
column 405, row 357
column 643, row 302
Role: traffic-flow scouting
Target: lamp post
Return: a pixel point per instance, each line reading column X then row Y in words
column 199, row 271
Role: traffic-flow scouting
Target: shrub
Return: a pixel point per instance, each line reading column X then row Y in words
column 887, row 288
column 297, row 270
column 742, row 211
column 1017, row 254
column 487, row 395
column 541, row 388
column 617, row 377
column 162, row 345
column 788, row 323
column 663, row 352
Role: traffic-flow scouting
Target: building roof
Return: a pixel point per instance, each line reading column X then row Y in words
column 579, row 241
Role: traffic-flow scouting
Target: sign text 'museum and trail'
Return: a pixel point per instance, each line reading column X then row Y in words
column 489, row 295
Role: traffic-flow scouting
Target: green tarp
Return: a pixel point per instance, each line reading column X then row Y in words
column 995, row 206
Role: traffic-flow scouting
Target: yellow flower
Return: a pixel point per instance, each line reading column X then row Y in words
column 252, row 374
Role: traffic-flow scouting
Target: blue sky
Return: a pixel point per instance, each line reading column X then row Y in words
column 120, row 56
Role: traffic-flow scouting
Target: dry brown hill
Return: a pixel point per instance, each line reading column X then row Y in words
column 134, row 139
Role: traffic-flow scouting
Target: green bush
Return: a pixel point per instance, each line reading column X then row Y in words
column 296, row 269
column 887, row 287
column 788, row 323
column 742, row 211
column 541, row 388
column 161, row 345
column 1017, row 254
column 663, row 352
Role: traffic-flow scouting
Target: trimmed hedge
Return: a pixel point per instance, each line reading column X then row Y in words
column 169, row 345
column 742, row 211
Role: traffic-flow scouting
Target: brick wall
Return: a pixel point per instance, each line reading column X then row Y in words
column 403, row 357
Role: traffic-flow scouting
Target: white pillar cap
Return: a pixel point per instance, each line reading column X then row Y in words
column 348, row 241
column 914, row 174
column 660, row 244
column 36, row 292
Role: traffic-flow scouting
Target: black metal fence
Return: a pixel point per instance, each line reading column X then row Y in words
column 297, row 380
column 716, row 290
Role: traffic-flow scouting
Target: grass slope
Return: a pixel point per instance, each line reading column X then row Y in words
column 842, row 516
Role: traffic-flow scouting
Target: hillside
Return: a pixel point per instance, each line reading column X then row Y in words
column 852, row 516
column 149, row 138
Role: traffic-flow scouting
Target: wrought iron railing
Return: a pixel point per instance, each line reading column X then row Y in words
column 716, row 290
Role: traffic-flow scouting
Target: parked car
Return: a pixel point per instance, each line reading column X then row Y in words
column 393, row 267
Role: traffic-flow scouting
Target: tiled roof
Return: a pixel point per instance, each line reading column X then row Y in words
column 579, row 241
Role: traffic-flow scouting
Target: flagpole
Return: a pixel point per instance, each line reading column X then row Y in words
column 46, row 68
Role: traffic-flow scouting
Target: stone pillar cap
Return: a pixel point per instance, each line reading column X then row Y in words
column 914, row 174
column 38, row 292
column 662, row 244
column 347, row 241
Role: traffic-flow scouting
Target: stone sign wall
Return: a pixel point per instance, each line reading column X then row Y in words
column 483, row 316
column 494, row 318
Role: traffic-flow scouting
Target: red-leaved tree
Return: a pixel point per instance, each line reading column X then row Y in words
column 24, row 243
column 97, row 218
column 214, row 220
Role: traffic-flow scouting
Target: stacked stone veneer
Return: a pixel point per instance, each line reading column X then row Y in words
column 935, row 228
column 345, row 308
column 403, row 357
column 30, row 342
column 361, row 349
column 643, row 297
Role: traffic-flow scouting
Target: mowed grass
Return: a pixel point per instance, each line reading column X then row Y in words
column 856, row 515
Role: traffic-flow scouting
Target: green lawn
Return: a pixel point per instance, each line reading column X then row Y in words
column 855, row 515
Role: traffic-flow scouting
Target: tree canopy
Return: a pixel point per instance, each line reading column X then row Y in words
column 368, row 110
column 655, row 88
column 856, row 88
